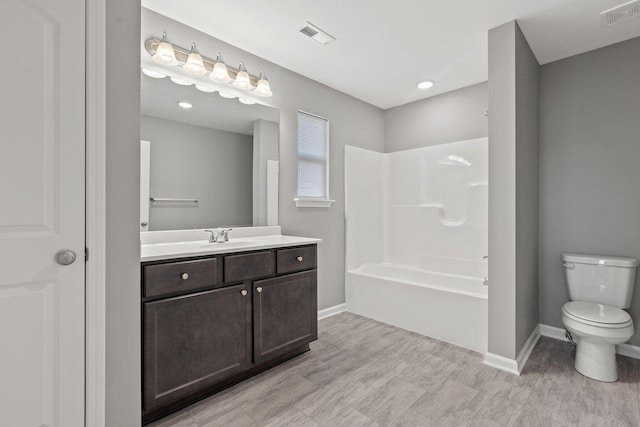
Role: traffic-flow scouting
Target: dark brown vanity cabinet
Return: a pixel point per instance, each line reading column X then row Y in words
column 193, row 341
column 210, row 322
column 284, row 314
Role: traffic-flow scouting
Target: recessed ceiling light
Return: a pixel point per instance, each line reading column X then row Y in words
column 226, row 95
column 246, row 101
column 425, row 84
column 154, row 74
column 185, row 105
column 179, row 81
column 203, row 88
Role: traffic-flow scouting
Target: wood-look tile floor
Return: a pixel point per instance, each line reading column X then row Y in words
column 364, row 373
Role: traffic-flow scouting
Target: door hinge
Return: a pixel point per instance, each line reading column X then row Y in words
column 86, row 254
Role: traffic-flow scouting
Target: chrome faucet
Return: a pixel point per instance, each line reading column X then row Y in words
column 219, row 235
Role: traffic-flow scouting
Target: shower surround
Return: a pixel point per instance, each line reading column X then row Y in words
column 416, row 238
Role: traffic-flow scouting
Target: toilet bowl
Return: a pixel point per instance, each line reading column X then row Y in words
column 597, row 329
column 600, row 288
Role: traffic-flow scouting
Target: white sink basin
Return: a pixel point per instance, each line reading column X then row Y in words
column 168, row 250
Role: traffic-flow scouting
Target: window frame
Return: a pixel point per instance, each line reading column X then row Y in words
column 306, row 201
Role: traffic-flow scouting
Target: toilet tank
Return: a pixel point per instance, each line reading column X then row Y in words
column 600, row 279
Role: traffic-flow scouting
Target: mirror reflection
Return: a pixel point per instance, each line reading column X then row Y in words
column 206, row 161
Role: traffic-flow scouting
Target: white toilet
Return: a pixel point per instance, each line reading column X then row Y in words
column 599, row 288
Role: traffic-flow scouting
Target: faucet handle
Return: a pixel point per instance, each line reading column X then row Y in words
column 212, row 236
column 224, row 233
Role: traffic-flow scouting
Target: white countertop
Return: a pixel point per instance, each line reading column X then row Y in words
column 173, row 250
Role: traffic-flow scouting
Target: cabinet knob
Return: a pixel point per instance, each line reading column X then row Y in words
column 185, row 276
column 259, row 289
column 299, row 259
column 243, row 293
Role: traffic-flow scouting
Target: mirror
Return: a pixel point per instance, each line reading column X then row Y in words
column 213, row 164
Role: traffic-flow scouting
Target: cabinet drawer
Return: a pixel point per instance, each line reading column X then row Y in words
column 295, row 259
column 247, row 266
column 176, row 277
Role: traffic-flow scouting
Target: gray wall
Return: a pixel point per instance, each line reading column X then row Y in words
column 513, row 190
column 352, row 121
column 122, row 158
column 195, row 161
column 449, row 117
column 527, row 148
column 502, row 197
column 589, row 165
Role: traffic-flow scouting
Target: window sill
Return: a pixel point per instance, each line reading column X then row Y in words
column 302, row 202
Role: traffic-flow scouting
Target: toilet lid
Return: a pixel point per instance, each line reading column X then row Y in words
column 597, row 313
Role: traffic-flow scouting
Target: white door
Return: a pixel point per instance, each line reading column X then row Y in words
column 42, row 212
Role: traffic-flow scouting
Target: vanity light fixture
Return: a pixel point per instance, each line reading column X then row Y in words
column 165, row 53
column 226, row 95
column 184, row 104
column 181, row 82
column 203, row 88
column 220, row 71
column 193, row 62
column 263, row 88
column 242, row 80
column 153, row 74
column 246, row 101
column 425, row 84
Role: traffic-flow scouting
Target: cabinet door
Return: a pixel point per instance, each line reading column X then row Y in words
column 193, row 341
column 285, row 314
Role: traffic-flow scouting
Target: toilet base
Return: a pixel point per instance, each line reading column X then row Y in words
column 596, row 361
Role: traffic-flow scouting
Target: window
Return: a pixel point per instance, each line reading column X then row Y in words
column 313, row 161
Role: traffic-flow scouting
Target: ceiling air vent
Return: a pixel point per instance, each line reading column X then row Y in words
column 316, row 33
column 620, row 13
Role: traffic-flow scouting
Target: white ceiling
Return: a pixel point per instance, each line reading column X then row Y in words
column 384, row 48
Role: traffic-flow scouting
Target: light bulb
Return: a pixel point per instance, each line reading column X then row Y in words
column 220, row 70
column 263, row 88
column 242, row 81
column 184, row 104
column 165, row 54
column 426, row 84
column 246, row 101
column 226, row 95
column 194, row 64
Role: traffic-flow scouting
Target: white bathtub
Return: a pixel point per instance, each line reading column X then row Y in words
column 448, row 307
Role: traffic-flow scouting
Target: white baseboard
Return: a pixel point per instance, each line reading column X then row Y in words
column 510, row 365
column 552, row 332
column 332, row 311
column 501, row 362
column 558, row 334
column 527, row 348
column 628, row 350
